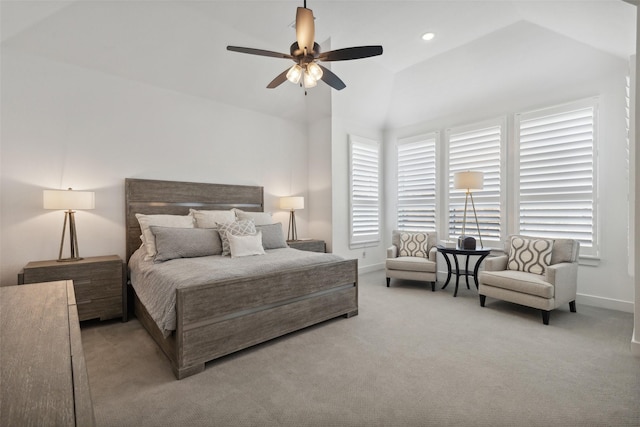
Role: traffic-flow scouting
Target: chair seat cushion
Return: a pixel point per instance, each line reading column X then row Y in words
column 518, row 281
column 410, row 263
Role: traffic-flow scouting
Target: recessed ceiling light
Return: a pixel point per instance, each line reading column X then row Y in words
column 428, row 36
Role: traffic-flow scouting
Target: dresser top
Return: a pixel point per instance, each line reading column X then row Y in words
column 36, row 377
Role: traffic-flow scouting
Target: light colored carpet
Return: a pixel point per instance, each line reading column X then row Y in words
column 411, row 357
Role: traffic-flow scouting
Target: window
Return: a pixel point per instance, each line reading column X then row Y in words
column 417, row 183
column 477, row 148
column 556, row 173
column 364, row 161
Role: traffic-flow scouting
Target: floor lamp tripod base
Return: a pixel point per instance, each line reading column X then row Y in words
column 73, row 238
column 292, row 234
column 468, row 242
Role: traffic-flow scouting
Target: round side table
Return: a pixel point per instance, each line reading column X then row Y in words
column 454, row 252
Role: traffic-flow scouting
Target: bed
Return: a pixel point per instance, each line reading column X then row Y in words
column 225, row 315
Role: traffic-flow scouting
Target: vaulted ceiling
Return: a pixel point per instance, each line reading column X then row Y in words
column 180, row 45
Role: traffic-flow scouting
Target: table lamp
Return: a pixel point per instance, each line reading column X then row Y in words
column 68, row 200
column 292, row 203
column 469, row 181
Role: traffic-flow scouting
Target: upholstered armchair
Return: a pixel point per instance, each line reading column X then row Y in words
column 412, row 256
column 538, row 273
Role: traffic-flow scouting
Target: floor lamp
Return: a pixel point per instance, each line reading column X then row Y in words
column 292, row 203
column 68, row 200
column 469, row 181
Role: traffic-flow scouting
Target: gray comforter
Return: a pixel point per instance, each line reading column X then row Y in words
column 156, row 284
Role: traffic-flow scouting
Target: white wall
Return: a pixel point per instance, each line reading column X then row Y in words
column 547, row 80
column 66, row 126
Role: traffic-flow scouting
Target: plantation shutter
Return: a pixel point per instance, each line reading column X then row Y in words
column 556, row 174
column 365, row 196
column 417, row 183
column 476, row 148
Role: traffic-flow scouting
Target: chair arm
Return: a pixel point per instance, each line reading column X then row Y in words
column 392, row 251
column 496, row 263
column 564, row 277
column 433, row 254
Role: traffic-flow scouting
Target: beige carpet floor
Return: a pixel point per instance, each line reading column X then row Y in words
column 411, row 357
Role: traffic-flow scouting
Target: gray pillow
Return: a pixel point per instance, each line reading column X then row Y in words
column 174, row 243
column 272, row 236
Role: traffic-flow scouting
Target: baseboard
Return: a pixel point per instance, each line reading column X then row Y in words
column 609, row 303
column 370, row 268
column 635, row 345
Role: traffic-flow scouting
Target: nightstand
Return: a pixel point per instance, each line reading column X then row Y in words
column 98, row 284
column 310, row 245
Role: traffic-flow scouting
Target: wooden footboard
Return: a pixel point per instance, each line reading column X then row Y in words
column 220, row 318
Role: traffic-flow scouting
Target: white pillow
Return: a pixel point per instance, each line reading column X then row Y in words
column 259, row 218
column 146, row 221
column 250, row 244
column 208, row 219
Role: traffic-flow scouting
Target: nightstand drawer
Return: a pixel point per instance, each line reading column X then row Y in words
column 90, row 289
column 307, row 245
column 103, row 308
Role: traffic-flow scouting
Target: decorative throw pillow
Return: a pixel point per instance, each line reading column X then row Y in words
column 259, row 218
column 209, row 219
column 414, row 244
column 272, row 236
column 172, row 243
column 529, row 255
column 146, row 221
column 236, row 228
column 247, row 245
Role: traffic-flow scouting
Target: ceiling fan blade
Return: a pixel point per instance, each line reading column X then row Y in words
column 331, row 79
column 260, row 52
column 281, row 78
column 350, row 53
column 305, row 28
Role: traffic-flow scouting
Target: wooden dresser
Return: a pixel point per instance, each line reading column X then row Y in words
column 43, row 376
column 98, row 282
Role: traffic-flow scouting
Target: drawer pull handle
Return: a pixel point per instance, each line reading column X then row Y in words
column 83, row 302
column 82, row 282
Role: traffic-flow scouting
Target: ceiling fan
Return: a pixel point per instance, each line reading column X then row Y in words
column 305, row 52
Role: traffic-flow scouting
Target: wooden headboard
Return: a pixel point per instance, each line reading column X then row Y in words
column 148, row 196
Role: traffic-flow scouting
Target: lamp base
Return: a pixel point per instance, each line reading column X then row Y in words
column 466, row 242
column 69, row 259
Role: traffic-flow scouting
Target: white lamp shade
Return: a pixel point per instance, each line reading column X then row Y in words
column 68, row 199
column 469, row 180
column 292, row 203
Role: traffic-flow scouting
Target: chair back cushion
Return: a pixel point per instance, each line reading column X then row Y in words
column 529, row 255
column 411, row 241
column 565, row 250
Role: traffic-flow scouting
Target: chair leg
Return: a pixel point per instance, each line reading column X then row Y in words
column 572, row 306
column 388, row 281
column 483, row 298
column 433, row 286
column 545, row 316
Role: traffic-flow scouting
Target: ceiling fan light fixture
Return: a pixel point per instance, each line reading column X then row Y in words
column 294, row 74
column 309, row 80
column 315, row 70
column 428, row 36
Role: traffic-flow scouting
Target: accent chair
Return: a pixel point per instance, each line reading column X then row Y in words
column 534, row 272
column 412, row 256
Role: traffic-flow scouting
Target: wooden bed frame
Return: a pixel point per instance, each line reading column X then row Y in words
column 219, row 318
